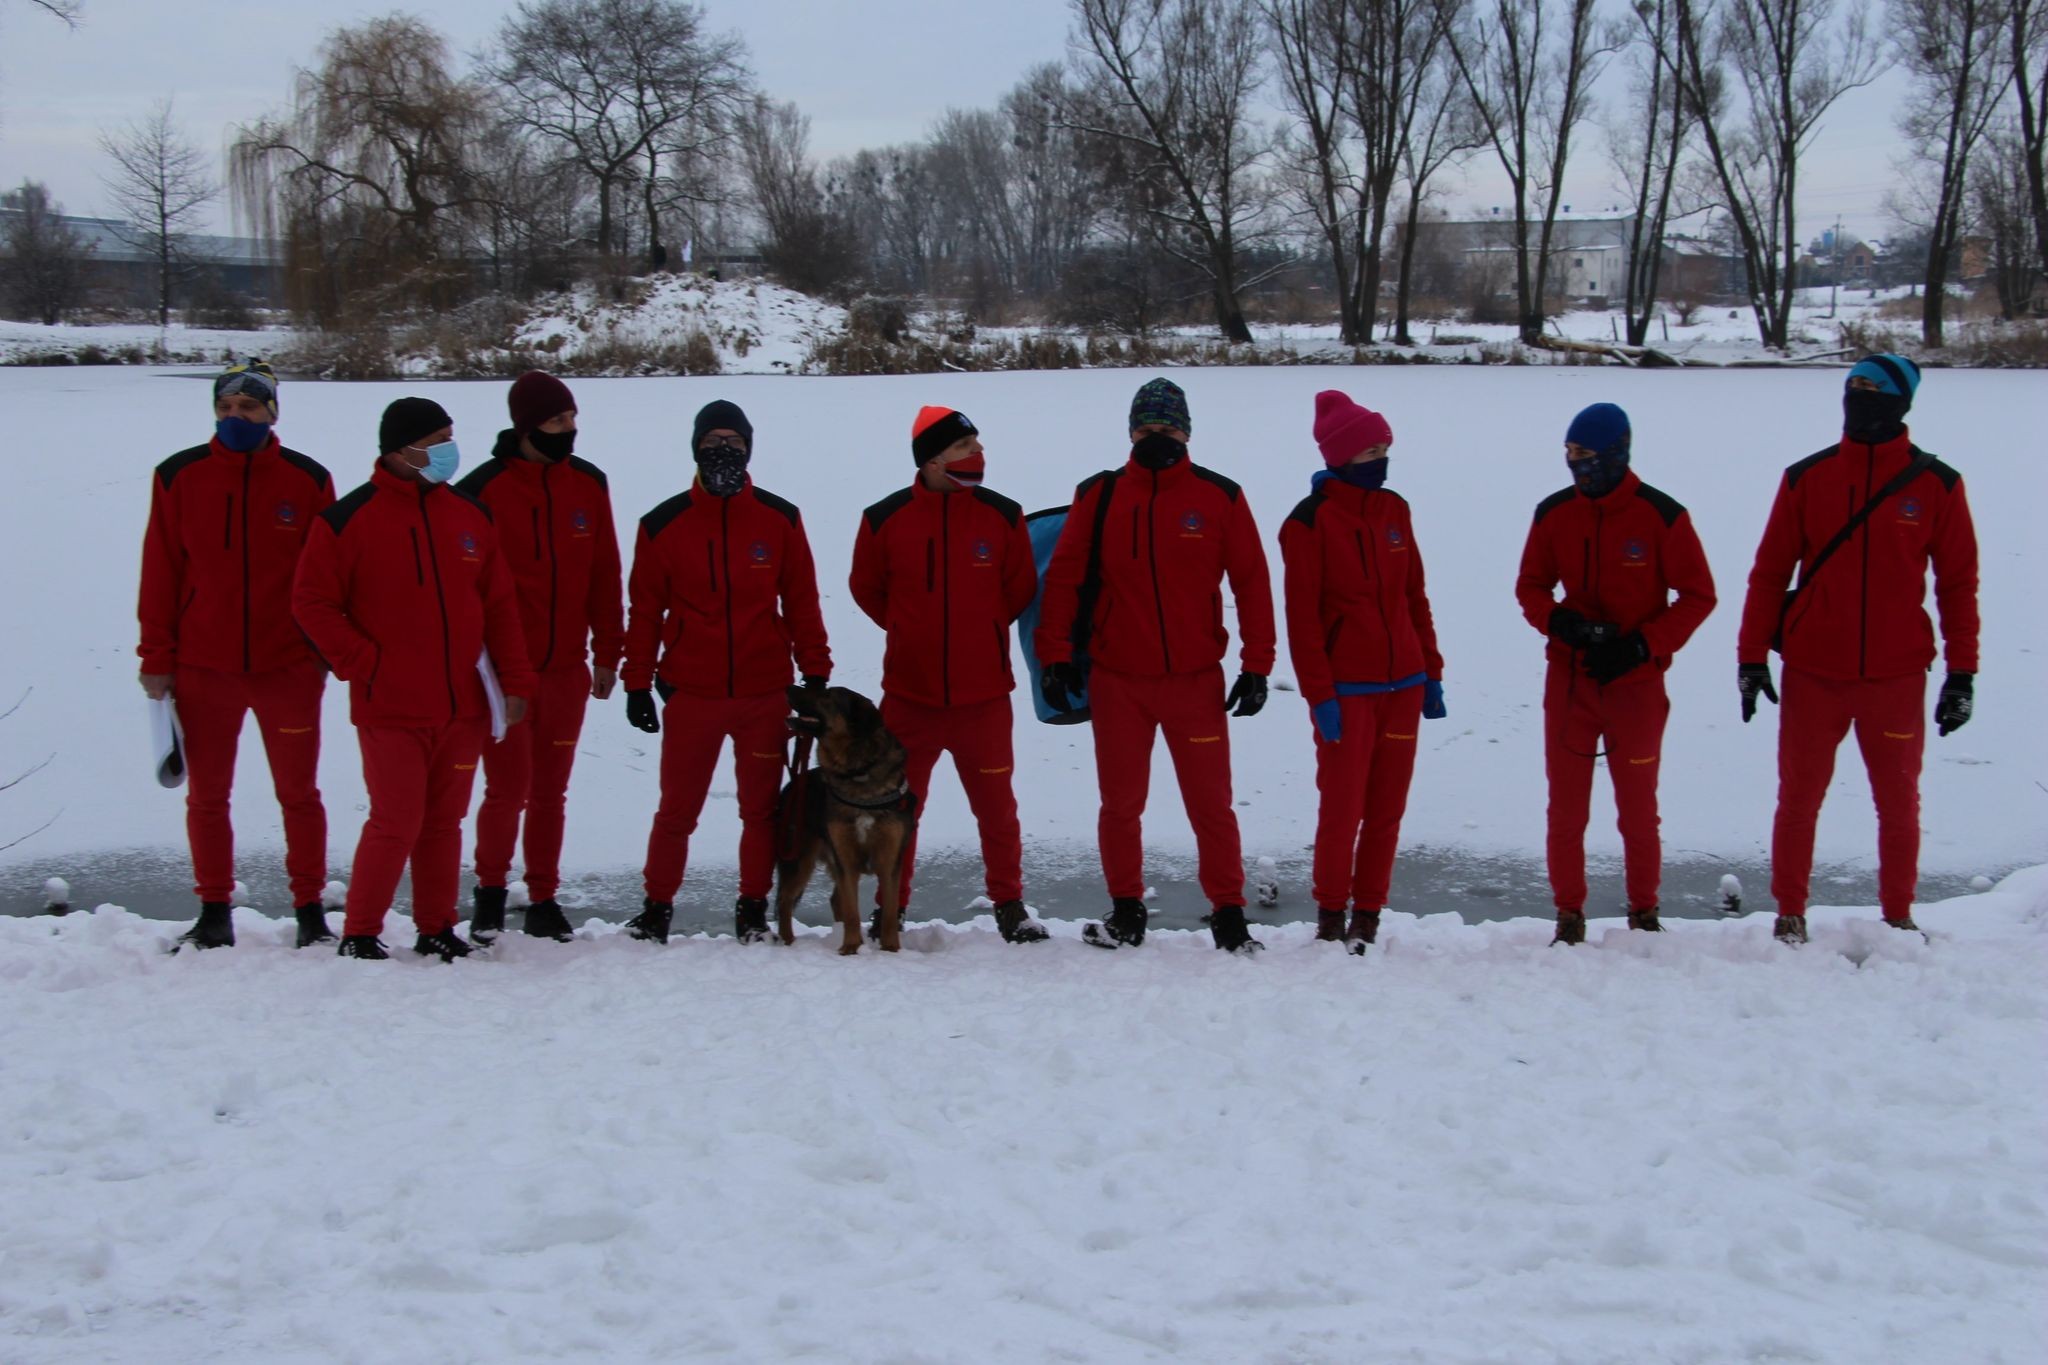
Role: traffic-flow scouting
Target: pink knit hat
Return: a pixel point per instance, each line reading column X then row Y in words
column 1344, row 429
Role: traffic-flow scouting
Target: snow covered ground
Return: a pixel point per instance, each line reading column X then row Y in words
column 1696, row 1148
column 32, row 343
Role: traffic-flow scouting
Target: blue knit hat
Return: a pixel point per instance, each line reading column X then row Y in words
column 1602, row 428
column 1893, row 374
column 1161, row 401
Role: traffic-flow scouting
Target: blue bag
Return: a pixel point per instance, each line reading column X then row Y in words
column 1045, row 528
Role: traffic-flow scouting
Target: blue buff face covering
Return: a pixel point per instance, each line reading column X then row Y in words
column 239, row 433
column 442, row 462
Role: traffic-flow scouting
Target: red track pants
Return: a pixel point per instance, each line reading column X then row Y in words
column 528, row 771
column 1891, row 729
column 420, row 780
column 1628, row 716
column 979, row 738
column 693, row 730
column 211, row 706
column 1363, row 779
column 1127, row 711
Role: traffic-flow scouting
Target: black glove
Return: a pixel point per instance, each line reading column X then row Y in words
column 1952, row 707
column 1612, row 658
column 1062, row 684
column 1247, row 695
column 641, row 713
column 1750, row 679
column 815, row 682
column 1569, row 627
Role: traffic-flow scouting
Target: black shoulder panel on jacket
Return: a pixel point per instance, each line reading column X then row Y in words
column 477, row 480
column 1793, row 473
column 1554, row 501
column 171, row 468
column 308, row 466
column 888, row 507
column 1229, row 487
column 1010, row 510
column 1668, row 507
column 1097, row 477
column 1948, row 475
column 782, row 505
column 1305, row 510
column 470, row 498
column 337, row 513
column 585, row 467
column 655, row 522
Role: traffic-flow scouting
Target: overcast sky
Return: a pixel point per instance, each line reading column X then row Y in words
column 868, row 72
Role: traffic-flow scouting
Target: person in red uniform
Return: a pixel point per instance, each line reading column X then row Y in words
column 723, row 593
column 944, row 566
column 1363, row 642
column 1621, row 549
column 1171, row 531
column 553, row 513
column 403, row 590
column 1856, row 640
column 227, row 521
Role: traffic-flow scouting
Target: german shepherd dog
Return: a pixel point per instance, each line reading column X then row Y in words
column 853, row 811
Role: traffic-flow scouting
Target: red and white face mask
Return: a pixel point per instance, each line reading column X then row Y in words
column 967, row 472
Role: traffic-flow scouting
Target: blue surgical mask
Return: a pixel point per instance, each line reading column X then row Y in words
column 442, row 462
column 239, row 433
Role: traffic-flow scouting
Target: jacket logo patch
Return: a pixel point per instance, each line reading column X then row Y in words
column 983, row 552
column 287, row 513
column 1909, row 510
column 1394, row 537
column 1635, row 552
column 579, row 519
column 758, row 553
column 468, row 543
column 1191, row 522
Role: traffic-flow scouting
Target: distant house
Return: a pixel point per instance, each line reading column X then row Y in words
column 121, row 270
column 1589, row 257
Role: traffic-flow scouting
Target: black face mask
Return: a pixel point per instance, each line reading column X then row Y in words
column 1156, row 450
column 1598, row 475
column 722, row 470
column 1873, row 415
column 554, row 446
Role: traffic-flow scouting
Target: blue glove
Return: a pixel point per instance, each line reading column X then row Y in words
column 1329, row 719
column 1433, row 699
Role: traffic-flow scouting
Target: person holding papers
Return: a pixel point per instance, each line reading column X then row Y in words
column 404, row 592
column 227, row 521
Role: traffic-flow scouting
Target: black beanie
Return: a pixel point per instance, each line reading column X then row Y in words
column 719, row 414
column 408, row 419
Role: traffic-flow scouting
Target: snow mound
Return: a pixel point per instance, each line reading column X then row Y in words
column 1692, row 1146
column 756, row 327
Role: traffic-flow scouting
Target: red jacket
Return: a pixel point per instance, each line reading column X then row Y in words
column 1864, row 615
column 1620, row 557
column 225, row 532
column 401, row 589
column 1169, row 539
column 555, row 527
column 945, row 574
column 1357, row 610
column 723, row 591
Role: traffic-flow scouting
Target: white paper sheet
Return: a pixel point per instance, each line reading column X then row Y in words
column 493, row 693
column 166, row 743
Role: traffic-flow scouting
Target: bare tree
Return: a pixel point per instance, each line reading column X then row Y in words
column 161, row 183
column 42, row 260
column 807, row 244
column 1447, row 128
column 1648, row 135
column 1999, row 204
column 1760, row 76
column 1174, row 82
column 1530, row 67
column 628, row 87
column 67, row 10
column 1960, row 61
column 2028, row 31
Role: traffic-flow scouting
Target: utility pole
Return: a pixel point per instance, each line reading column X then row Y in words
column 1835, row 281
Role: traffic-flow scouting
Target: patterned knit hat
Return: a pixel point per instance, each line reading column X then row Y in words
column 251, row 376
column 1161, row 402
column 1893, row 374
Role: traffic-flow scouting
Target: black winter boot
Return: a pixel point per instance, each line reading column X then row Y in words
column 544, row 919
column 750, row 919
column 1645, row 919
column 1329, row 926
column 365, row 946
column 312, row 917
column 446, row 945
column 1789, row 929
column 1363, row 931
column 652, row 922
column 1227, row 927
column 487, row 915
column 215, row 928
column 1015, row 924
column 1571, row 928
column 1124, row 926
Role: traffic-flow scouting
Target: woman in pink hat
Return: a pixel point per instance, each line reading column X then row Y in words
column 1364, row 647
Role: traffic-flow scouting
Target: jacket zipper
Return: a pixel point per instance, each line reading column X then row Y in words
column 441, row 597
column 931, row 566
column 1373, row 581
column 554, row 565
column 1152, row 542
column 1002, row 648
column 419, row 567
column 725, row 547
column 946, row 597
column 1863, row 607
column 536, row 530
column 248, row 472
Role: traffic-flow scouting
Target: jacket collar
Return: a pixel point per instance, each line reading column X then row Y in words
column 507, row 453
column 270, row 446
column 1348, row 496
column 1894, row 452
column 1161, row 478
column 391, row 483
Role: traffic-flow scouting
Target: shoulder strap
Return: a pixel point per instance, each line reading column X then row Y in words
column 1091, row 583
column 1915, row 467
